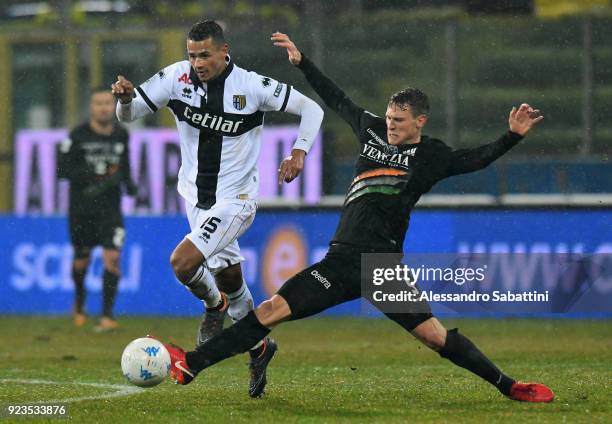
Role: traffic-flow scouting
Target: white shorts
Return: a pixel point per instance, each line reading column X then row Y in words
column 215, row 231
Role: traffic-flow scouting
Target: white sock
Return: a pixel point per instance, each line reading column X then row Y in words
column 204, row 287
column 240, row 304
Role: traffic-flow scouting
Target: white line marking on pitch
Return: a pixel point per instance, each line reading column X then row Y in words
column 119, row 389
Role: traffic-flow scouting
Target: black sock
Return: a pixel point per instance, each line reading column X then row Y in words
column 236, row 339
column 109, row 292
column 78, row 276
column 462, row 352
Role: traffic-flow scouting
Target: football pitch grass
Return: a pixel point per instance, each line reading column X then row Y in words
column 326, row 370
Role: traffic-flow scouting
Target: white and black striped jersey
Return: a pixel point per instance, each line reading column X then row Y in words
column 219, row 123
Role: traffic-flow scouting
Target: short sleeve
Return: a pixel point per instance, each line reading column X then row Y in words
column 271, row 95
column 66, row 145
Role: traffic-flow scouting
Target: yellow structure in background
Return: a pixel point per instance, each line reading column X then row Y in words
column 559, row 8
column 6, row 132
column 71, row 81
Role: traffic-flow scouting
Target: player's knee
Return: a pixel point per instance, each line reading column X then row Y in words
column 435, row 340
column 229, row 280
column 111, row 264
column 115, row 270
column 185, row 260
column 182, row 267
column 273, row 311
column 264, row 311
column 80, row 264
column 431, row 333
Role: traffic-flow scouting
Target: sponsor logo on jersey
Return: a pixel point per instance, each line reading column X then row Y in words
column 266, row 82
column 376, row 137
column 161, row 74
column 278, row 90
column 212, row 122
column 187, row 92
column 390, row 149
column 379, row 156
column 320, row 279
column 239, row 101
column 185, row 79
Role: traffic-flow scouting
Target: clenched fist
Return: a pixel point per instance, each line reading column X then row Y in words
column 123, row 89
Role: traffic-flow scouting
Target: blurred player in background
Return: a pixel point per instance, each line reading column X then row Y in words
column 94, row 158
column 396, row 165
column 219, row 110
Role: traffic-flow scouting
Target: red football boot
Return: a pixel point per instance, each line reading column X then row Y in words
column 179, row 371
column 531, row 392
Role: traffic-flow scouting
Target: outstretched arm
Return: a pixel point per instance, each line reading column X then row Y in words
column 331, row 94
column 133, row 102
column 520, row 121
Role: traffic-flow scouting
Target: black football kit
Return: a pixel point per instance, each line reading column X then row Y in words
column 388, row 182
column 96, row 166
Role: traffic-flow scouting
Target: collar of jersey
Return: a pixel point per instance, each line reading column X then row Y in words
column 402, row 147
column 221, row 78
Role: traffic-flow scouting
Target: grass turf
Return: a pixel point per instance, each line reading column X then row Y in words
column 326, row 370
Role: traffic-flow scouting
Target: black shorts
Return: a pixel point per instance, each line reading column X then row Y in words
column 335, row 280
column 86, row 232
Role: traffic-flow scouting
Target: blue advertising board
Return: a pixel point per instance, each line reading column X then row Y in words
column 35, row 267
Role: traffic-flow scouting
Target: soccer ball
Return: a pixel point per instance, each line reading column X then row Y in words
column 145, row 362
